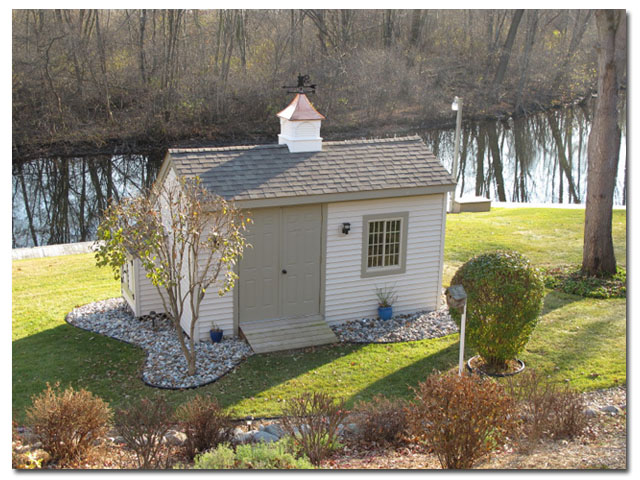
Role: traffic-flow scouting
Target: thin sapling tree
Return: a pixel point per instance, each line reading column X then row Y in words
column 186, row 238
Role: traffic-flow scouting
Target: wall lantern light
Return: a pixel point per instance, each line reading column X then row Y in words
column 345, row 228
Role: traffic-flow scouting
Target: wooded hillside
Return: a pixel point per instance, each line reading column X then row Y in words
column 99, row 81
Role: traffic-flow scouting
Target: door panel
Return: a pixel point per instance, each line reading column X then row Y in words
column 301, row 244
column 283, row 239
column 259, row 272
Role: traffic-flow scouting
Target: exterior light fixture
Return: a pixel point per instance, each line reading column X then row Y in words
column 346, row 227
column 457, row 298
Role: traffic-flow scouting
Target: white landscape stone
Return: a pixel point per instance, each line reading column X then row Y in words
column 401, row 328
column 165, row 365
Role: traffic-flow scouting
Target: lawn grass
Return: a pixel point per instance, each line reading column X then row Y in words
column 579, row 339
column 547, row 236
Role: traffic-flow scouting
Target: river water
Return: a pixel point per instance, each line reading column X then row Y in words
column 539, row 158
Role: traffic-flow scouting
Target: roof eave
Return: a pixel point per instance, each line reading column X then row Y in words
column 343, row 197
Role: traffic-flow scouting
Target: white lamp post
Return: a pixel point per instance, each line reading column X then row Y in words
column 457, row 298
column 456, row 106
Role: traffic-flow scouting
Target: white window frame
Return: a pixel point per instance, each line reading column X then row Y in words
column 367, row 271
column 127, row 271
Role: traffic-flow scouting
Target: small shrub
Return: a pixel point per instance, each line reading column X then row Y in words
column 261, row 456
column 222, row 457
column 382, row 420
column 546, row 409
column 204, row 423
column 504, row 300
column 68, row 422
column 143, row 427
column 568, row 418
column 312, row 419
column 462, row 418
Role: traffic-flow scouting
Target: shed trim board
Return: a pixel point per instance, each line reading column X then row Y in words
column 441, row 269
column 343, row 197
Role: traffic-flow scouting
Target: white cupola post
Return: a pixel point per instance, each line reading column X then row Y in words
column 300, row 126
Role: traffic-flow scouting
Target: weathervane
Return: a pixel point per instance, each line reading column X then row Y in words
column 302, row 86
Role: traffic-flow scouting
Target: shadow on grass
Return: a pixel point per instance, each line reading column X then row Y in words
column 399, row 382
column 112, row 369
column 75, row 357
column 262, row 372
column 555, row 300
column 584, row 345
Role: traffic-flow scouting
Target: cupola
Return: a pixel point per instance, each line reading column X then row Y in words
column 300, row 123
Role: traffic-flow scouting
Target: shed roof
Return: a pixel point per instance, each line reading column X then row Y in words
column 380, row 168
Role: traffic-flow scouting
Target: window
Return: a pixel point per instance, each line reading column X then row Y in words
column 126, row 277
column 384, row 244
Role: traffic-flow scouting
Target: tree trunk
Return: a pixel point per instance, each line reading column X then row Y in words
column 25, row 197
column 480, row 161
column 497, row 161
column 562, row 157
column 506, row 54
column 532, row 26
column 604, row 148
column 579, row 28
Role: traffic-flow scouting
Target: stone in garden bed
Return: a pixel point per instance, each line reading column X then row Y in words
column 400, row 328
column 165, row 365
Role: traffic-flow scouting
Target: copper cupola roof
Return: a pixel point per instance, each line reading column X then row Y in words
column 300, row 109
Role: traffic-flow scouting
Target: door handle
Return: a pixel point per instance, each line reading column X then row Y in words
column 284, row 271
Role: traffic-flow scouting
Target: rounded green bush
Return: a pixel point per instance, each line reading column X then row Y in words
column 504, row 300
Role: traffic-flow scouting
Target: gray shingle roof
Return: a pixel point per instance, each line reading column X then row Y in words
column 270, row 171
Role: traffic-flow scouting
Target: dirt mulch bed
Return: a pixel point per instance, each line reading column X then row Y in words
column 603, row 446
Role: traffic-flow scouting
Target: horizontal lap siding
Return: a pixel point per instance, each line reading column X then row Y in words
column 214, row 308
column 148, row 297
column 348, row 296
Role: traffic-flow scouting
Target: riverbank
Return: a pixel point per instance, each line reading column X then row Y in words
column 51, row 250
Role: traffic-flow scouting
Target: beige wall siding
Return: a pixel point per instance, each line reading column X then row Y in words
column 148, row 299
column 215, row 308
column 348, row 296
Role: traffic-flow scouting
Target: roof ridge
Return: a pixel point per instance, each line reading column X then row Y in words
column 374, row 140
column 223, row 148
column 358, row 141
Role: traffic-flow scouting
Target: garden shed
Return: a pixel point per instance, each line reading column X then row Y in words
column 332, row 221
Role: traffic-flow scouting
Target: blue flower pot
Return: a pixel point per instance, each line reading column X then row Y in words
column 385, row 313
column 216, row 335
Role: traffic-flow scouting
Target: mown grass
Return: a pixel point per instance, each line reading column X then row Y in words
column 547, row 236
column 579, row 339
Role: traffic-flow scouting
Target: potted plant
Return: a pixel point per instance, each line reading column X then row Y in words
column 386, row 298
column 215, row 333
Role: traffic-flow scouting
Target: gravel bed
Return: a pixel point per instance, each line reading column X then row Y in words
column 400, row 328
column 600, row 399
column 165, row 365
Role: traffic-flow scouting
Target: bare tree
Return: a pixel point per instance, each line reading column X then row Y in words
column 603, row 152
column 505, row 53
